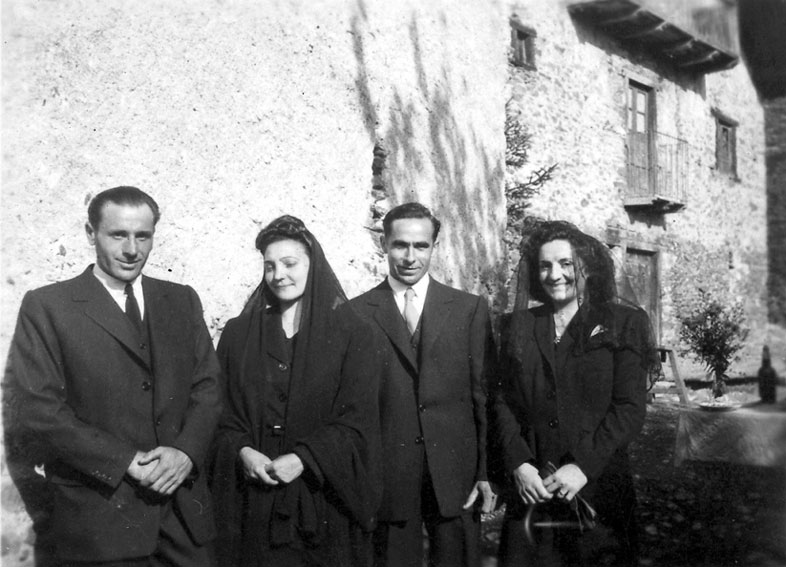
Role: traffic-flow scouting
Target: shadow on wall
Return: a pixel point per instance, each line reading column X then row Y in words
column 467, row 181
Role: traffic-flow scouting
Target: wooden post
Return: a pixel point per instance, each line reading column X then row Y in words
column 682, row 390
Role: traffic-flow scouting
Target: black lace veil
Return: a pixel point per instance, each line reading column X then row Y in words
column 599, row 290
column 323, row 294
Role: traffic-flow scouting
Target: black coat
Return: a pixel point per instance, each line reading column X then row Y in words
column 560, row 404
column 331, row 423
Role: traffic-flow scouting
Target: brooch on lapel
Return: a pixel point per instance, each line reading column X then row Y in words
column 597, row 330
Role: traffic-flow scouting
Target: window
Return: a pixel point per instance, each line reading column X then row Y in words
column 725, row 144
column 640, row 126
column 522, row 41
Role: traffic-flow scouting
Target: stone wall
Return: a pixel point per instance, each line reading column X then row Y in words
column 231, row 114
column 775, row 112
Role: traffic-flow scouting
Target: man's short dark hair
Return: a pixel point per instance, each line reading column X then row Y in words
column 410, row 211
column 123, row 195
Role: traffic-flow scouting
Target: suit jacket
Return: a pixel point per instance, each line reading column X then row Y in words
column 436, row 402
column 562, row 404
column 93, row 393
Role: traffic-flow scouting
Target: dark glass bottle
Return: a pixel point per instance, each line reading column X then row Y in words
column 767, row 378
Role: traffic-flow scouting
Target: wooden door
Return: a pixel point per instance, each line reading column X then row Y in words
column 642, row 270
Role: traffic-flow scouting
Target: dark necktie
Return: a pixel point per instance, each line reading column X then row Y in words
column 132, row 308
column 410, row 311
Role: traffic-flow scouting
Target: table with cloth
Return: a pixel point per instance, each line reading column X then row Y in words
column 754, row 434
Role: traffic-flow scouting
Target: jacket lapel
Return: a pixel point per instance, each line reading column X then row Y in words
column 274, row 339
column 165, row 323
column 436, row 311
column 388, row 317
column 545, row 338
column 101, row 308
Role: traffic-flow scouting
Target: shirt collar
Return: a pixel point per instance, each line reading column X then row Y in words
column 421, row 287
column 115, row 284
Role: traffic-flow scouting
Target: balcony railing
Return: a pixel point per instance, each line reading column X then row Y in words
column 658, row 174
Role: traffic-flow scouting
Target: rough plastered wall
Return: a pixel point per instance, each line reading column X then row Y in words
column 231, row 114
column 574, row 105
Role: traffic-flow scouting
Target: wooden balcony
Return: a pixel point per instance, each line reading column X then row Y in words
column 658, row 176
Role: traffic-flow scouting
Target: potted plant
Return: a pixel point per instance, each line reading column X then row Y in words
column 714, row 333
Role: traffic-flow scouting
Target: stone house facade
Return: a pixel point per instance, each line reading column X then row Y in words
column 231, row 114
column 658, row 137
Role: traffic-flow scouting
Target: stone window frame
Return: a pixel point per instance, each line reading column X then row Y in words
column 522, row 43
column 725, row 143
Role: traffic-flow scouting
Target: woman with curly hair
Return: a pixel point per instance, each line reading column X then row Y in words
column 572, row 395
column 293, row 475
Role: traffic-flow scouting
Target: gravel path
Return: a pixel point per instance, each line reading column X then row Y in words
column 699, row 514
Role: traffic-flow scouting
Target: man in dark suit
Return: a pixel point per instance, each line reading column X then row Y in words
column 114, row 375
column 435, row 345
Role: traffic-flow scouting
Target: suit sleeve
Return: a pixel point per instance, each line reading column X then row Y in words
column 626, row 412
column 235, row 425
column 482, row 368
column 204, row 408
column 35, row 374
column 509, row 448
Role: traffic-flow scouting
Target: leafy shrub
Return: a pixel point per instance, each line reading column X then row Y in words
column 713, row 333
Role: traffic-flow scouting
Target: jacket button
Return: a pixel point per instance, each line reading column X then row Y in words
column 142, row 346
column 282, row 397
column 419, row 439
column 146, row 386
column 282, row 366
column 421, row 407
column 553, row 423
column 551, row 394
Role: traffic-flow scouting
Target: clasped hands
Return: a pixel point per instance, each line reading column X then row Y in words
column 565, row 483
column 161, row 470
column 259, row 466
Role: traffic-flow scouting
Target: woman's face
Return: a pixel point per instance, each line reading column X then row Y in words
column 558, row 268
column 286, row 270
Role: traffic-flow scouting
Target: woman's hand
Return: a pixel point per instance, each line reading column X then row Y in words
column 254, row 464
column 529, row 484
column 285, row 468
column 566, row 482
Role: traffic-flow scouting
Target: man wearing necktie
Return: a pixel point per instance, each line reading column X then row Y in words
column 114, row 373
column 435, row 346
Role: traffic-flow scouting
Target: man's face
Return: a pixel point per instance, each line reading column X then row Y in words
column 123, row 239
column 409, row 247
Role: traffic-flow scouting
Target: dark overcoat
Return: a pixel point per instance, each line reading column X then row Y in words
column 331, row 422
column 561, row 404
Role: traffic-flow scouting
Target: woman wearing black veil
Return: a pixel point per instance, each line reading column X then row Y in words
column 572, row 395
column 293, row 471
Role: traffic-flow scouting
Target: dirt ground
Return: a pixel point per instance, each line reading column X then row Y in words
column 698, row 514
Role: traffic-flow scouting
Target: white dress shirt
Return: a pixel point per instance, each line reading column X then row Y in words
column 420, row 289
column 117, row 289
